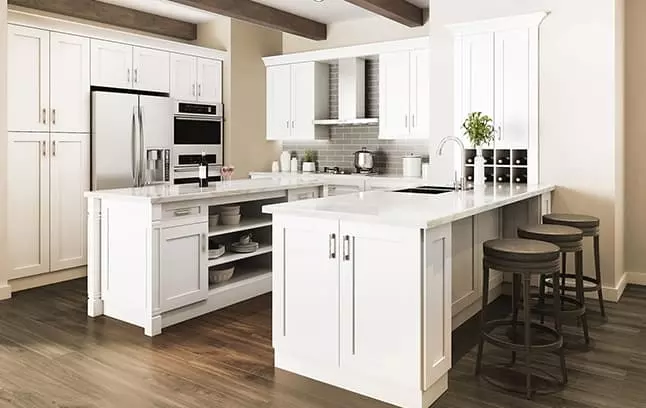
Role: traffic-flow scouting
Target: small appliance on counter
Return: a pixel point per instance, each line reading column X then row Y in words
column 412, row 165
column 364, row 161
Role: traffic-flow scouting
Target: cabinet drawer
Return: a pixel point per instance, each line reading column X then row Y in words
column 177, row 212
column 303, row 194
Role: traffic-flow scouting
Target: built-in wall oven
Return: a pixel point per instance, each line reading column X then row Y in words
column 198, row 128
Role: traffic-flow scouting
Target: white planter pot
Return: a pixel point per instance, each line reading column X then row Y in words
column 309, row 167
column 478, row 170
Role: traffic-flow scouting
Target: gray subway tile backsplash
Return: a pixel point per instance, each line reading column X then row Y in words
column 345, row 140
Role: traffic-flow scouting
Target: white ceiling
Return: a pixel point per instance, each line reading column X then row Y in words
column 327, row 11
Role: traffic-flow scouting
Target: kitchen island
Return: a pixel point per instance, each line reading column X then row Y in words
column 367, row 287
column 148, row 248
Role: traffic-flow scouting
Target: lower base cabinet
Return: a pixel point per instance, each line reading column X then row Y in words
column 341, row 277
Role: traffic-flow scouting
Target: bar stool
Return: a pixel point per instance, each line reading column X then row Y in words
column 590, row 227
column 569, row 240
column 523, row 258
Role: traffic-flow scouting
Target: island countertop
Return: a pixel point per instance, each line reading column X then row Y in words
column 410, row 209
column 158, row 194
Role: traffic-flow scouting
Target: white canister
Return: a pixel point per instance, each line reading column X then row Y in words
column 412, row 165
column 284, row 161
column 294, row 165
column 426, row 171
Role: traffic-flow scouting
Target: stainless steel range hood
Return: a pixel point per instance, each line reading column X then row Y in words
column 352, row 95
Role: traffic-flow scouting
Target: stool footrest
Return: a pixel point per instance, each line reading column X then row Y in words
column 501, row 342
column 570, row 307
column 570, row 283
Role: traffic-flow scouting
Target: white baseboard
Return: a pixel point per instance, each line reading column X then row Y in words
column 45, row 279
column 5, row 291
column 612, row 294
column 636, row 278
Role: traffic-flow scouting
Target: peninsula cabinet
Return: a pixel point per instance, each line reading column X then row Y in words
column 47, row 176
column 297, row 94
column 48, row 81
column 117, row 65
column 404, row 99
column 195, row 79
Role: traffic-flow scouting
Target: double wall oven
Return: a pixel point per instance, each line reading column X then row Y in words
column 197, row 128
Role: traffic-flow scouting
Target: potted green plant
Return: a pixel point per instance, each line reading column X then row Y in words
column 479, row 128
column 309, row 161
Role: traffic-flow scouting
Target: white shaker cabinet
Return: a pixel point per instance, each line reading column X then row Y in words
column 404, row 95
column 28, row 204
column 312, row 260
column 183, row 77
column 209, row 80
column 28, row 79
column 385, row 347
column 297, row 94
column 151, row 70
column 70, row 83
column 111, row 64
column 512, row 89
column 69, row 178
column 183, row 265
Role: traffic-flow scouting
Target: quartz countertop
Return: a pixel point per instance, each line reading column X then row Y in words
column 158, row 194
column 410, row 209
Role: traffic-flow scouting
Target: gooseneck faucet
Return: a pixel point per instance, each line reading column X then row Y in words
column 460, row 184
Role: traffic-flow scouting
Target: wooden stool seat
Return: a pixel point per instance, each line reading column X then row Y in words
column 586, row 223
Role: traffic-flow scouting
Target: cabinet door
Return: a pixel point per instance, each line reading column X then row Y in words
column 69, row 179
column 306, row 288
column 465, row 281
column 394, row 95
column 183, row 265
column 474, row 78
column 28, row 204
column 151, row 70
column 512, row 88
column 111, row 64
column 420, row 95
column 70, row 83
column 28, row 79
column 303, row 103
column 209, row 80
column 279, row 84
column 183, row 77
column 380, row 296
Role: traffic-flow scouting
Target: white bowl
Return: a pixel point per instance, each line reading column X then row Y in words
column 230, row 210
column 213, row 219
column 217, row 252
column 221, row 273
column 230, row 219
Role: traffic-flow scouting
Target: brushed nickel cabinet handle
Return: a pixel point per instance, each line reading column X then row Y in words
column 136, row 75
column 412, row 119
column 53, row 147
column 203, row 242
column 346, row 248
column 193, row 89
column 405, row 121
column 332, row 244
column 182, row 211
column 44, row 148
column 199, row 90
column 44, row 116
column 128, row 75
column 54, row 116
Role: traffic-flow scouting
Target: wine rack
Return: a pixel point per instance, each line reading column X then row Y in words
column 502, row 166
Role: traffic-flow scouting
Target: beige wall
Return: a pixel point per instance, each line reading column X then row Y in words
column 580, row 137
column 353, row 32
column 635, row 237
column 244, row 91
column 4, row 267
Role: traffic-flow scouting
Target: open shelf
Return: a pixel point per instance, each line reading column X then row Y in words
column 233, row 256
column 245, row 224
column 241, row 278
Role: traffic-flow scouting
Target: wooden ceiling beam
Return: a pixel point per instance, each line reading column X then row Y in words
column 260, row 14
column 400, row 11
column 114, row 15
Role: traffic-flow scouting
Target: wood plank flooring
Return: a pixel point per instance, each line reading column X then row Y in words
column 53, row 355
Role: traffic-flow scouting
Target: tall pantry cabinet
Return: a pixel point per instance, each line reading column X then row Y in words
column 48, row 150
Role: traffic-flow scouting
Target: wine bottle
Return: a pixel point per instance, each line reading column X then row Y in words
column 503, row 178
column 521, row 160
column 503, row 160
column 521, row 178
column 203, row 171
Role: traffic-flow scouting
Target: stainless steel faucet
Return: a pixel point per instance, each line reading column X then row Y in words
column 461, row 183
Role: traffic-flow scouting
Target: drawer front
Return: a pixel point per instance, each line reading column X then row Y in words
column 176, row 212
column 335, row 189
column 303, row 194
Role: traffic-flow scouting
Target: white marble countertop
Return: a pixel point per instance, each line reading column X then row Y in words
column 409, row 209
column 330, row 176
column 158, row 194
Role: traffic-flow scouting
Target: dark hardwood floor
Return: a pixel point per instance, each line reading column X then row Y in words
column 53, row 355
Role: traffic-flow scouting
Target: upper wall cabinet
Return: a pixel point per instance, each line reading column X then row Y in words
column 404, row 95
column 195, row 79
column 297, row 94
column 48, row 81
column 496, row 72
column 117, row 65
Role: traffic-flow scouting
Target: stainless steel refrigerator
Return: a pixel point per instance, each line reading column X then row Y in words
column 132, row 137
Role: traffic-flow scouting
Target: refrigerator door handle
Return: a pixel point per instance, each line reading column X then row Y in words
column 141, row 145
column 134, row 148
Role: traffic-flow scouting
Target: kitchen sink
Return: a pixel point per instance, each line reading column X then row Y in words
column 427, row 190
